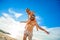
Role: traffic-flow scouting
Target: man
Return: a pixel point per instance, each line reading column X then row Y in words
column 31, row 23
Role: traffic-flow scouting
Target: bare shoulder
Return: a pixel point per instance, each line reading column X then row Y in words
column 35, row 21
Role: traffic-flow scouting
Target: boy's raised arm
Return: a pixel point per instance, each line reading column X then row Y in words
column 37, row 26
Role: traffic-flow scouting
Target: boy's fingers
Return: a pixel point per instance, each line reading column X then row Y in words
column 47, row 32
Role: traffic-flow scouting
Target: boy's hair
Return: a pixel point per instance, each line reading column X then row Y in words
column 27, row 9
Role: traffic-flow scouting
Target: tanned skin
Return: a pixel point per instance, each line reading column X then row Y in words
column 31, row 23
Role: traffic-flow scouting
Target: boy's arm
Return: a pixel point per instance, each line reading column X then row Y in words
column 23, row 21
column 37, row 26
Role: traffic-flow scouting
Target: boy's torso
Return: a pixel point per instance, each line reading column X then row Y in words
column 30, row 25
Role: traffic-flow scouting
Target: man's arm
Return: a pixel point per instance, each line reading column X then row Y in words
column 37, row 26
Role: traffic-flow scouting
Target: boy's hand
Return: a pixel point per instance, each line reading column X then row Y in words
column 47, row 32
column 37, row 29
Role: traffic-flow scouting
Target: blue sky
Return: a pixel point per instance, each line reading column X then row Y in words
column 48, row 10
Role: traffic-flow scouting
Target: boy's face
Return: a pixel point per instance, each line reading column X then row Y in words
column 28, row 11
column 30, row 14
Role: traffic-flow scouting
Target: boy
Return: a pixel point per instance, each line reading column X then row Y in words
column 31, row 23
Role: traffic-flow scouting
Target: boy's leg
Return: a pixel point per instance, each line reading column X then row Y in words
column 24, row 37
column 30, row 36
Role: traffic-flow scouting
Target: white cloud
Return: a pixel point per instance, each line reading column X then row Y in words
column 8, row 24
column 16, row 14
column 38, row 18
column 54, row 34
column 16, row 29
column 10, row 10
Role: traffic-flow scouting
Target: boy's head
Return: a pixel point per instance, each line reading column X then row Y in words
column 28, row 11
column 30, row 14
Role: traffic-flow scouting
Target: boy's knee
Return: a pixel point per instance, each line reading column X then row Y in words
column 24, row 38
column 30, row 38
